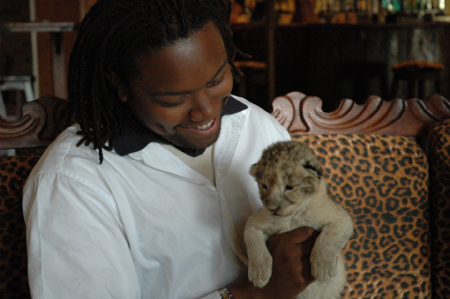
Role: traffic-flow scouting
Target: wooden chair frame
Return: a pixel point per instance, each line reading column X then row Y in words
column 298, row 113
column 35, row 128
column 301, row 114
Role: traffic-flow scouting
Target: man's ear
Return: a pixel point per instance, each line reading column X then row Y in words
column 121, row 90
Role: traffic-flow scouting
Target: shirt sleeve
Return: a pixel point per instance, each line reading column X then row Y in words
column 76, row 242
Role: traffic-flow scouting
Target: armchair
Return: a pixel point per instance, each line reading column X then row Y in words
column 375, row 163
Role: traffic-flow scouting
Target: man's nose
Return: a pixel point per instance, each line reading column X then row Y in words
column 204, row 107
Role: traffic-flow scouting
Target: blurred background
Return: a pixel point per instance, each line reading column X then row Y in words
column 333, row 49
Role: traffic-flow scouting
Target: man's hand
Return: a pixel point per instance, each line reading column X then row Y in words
column 291, row 269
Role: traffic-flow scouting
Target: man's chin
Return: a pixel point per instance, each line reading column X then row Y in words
column 202, row 144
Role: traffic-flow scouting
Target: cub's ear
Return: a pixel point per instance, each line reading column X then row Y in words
column 254, row 170
column 315, row 167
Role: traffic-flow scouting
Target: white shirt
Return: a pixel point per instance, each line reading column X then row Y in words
column 144, row 225
column 204, row 163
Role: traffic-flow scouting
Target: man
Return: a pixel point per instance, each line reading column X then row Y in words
column 147, row 195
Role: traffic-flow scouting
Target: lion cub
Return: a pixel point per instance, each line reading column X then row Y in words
column 293, row 193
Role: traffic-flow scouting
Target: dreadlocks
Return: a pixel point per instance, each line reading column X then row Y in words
column 111, row 36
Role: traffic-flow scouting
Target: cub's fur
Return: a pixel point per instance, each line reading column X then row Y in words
column 293, row 193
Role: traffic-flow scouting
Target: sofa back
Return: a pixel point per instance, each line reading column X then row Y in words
column 382, row 181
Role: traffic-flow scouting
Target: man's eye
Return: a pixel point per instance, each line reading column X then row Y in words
column 215, row 83
column 169, row 104
column 172, row 104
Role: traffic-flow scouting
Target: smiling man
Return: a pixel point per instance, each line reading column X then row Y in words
column 180, row 92
column 147, row 195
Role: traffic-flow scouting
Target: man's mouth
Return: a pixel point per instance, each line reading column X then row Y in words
column 204, row 127
column 203, row 130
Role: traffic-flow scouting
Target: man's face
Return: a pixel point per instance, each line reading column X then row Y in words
column 182, row 89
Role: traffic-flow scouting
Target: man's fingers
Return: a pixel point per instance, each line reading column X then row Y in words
column 302, row 234
column 296, row 236
column 307, row 247
column 306, row 273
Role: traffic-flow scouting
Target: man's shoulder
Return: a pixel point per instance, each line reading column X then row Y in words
column 255, row 128
column 65, row 154
column 257, row 117
column 254, row 111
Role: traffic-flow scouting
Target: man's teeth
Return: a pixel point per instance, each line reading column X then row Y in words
column 206, row 126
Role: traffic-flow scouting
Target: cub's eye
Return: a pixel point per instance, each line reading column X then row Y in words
column 317, row 170
column 289, row 187
column 264, row 186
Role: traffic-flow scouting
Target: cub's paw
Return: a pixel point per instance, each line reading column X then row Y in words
column 323, row 266
column 259, row 271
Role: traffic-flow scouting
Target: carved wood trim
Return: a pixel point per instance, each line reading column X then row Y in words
column 301, row 114
column 36, row 127
column 298, row 113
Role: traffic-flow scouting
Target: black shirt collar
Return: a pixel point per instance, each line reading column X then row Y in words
column 132, row 141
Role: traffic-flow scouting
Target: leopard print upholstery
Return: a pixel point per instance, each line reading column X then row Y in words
column 13, row 263
column 439, row 153
column 382, row 182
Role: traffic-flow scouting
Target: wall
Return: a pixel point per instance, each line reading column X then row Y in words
column 54, row 11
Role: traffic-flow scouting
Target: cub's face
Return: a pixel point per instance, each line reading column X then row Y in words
column 288, row 174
